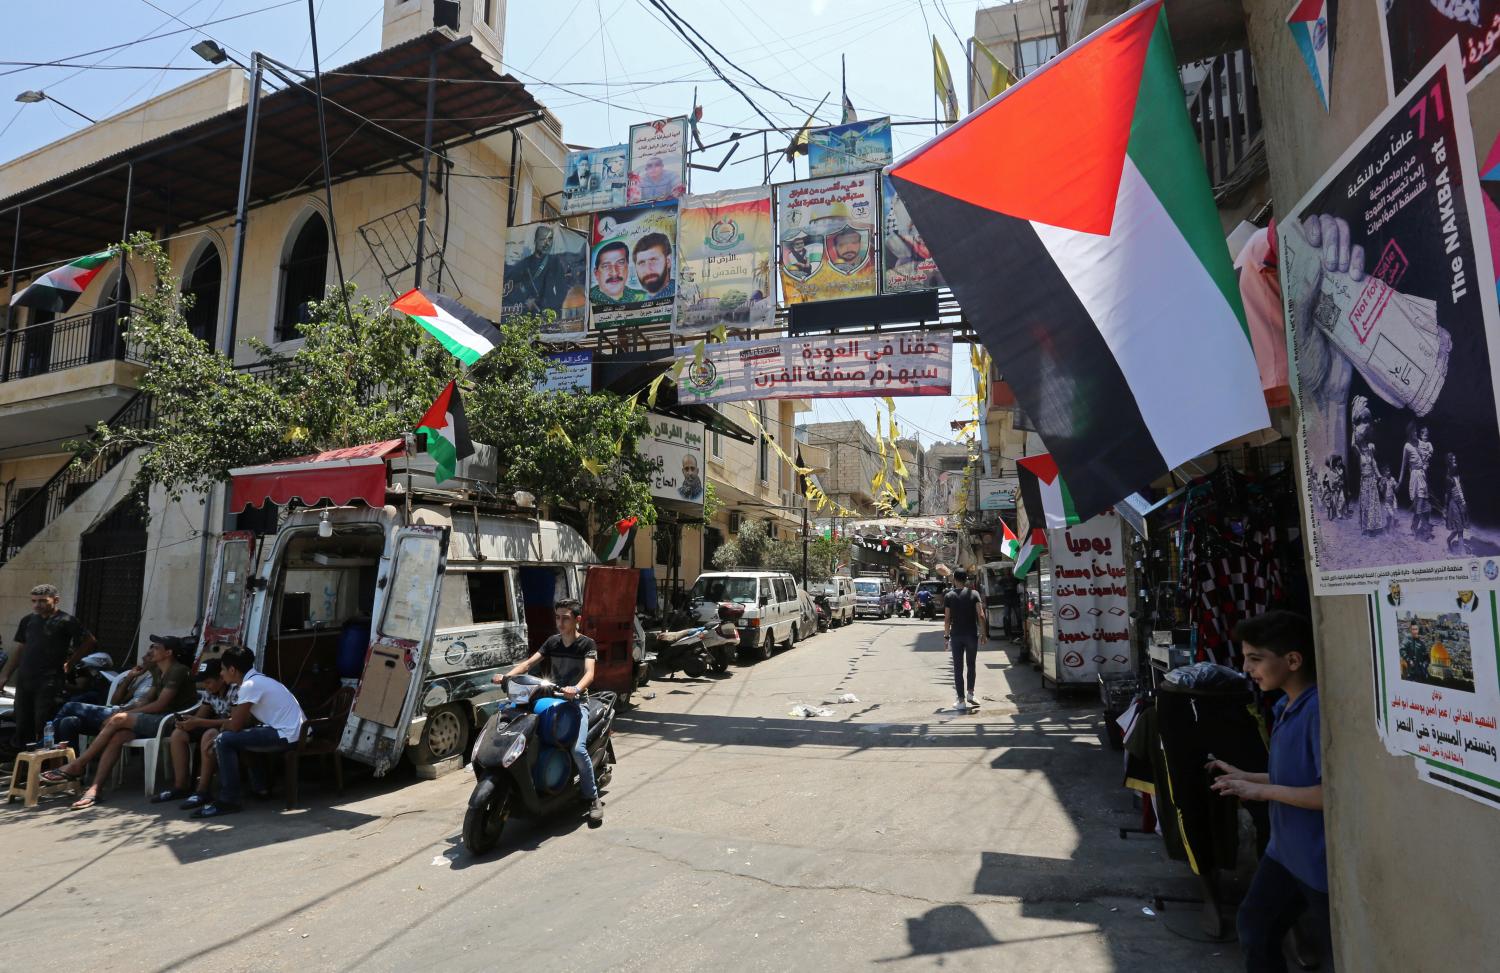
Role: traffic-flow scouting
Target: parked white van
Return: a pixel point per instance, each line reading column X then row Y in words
column 773, row 612
column 390, row 619
column 840, row 593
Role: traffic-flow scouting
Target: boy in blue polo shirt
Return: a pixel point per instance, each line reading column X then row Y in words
column 1293, row 874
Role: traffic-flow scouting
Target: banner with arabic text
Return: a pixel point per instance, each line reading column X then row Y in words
column 658, row 160
column 818, row 368
column 1090, row 600
column 828, row 237
column 724, row 261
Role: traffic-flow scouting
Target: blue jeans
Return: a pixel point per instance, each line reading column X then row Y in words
column 964, row 647
column 581, row 758
column 73, row 719
column 1276, row 899
column 227, row 747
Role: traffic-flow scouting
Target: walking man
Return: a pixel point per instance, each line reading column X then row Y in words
column 48, row 642
column 963, row 629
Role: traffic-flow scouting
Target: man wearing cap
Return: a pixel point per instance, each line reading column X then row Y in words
column 202, row 725
column 261, row 700
column 172, row 689
column 48, row 642
column 963, row 628
column 130, row 691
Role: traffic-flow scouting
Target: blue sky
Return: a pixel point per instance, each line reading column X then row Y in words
column 598, row 64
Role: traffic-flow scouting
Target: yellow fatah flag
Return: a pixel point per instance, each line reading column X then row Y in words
column 942, row 80
column 1001, row 76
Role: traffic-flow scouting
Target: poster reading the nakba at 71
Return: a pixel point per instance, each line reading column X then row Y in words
column 906, row 263
column 658, row 160
column 827, row 237
column 1413, row 32
column 1439, row 688
column 814, row 368
column 1090, row 599
column 724, row 261
column 631, row 261
column 1385, row 270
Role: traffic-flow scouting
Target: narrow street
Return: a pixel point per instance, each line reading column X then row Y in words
column 894, row 834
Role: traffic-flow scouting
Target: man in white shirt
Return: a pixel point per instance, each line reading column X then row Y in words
column 262, row 699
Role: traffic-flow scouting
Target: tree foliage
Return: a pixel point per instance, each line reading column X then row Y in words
column 753, row 548
column 362, row 379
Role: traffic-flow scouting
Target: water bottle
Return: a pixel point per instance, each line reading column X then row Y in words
column 48, row 739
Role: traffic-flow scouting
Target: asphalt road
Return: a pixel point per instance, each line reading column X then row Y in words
column 895, row 834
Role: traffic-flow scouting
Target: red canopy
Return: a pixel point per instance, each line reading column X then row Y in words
column 339, row 476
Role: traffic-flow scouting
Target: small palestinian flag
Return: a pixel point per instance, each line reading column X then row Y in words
column 624, row 534
column 467, row 336
column 1030, row 552
column 445, row 433
column 1057, row 502
column 1010, row 545
column 1073, row 218
column 58, row 289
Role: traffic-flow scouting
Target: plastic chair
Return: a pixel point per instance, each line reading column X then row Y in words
column 151, row 751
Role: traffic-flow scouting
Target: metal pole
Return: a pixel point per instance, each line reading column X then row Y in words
column 333, row 225
column 117, row 340
column 427, row 165
column 804, row 543
column 242, row 205
column 11, row 324
column 513, row 187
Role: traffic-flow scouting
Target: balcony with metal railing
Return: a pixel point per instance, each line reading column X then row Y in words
column 60, row 377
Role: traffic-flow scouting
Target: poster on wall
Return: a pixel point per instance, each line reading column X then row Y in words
column 998, row 492
column 826, row 247
column 819, row 368
column 854, row 147
column 1385, row 268
column 658, row 160
column 724, row 262
column 675, row 448
column 595, row 180
column 568, row 371
column 1090, row 599
column 1439, row 686
column 544, row 275
column 905, row 262
column 1413, row 32
column 631, row 265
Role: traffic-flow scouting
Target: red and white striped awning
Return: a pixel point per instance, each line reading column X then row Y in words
column 339, row 476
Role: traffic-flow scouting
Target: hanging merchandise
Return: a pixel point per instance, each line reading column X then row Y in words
column 724, row 245
column 545, row 273
column 632, row 259
column 826, row 243
column 1386, row 271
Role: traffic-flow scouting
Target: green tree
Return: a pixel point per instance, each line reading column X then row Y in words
column 364, row 378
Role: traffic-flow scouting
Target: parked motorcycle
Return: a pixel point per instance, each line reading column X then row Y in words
column 682, row 651
column 723, row 639
column 820, row 603
column 523, row 759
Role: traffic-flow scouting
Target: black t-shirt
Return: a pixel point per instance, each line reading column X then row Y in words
column 47, row 644
column 566, row 661
column 962, row 603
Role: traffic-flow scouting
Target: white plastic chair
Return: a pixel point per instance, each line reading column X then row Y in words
column 151, row 751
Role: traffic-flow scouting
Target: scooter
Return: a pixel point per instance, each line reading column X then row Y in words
column 723, row 640
column 523, row 759
column 820, row 604
column 682, row 651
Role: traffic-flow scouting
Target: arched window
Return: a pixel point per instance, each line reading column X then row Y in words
column 304, row 276
column 105, row 340
column 765, row 447
column 202, row 283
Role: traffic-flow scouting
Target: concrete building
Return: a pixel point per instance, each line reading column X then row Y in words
column 171, row 167
column 1024, row 35
column 853, row 462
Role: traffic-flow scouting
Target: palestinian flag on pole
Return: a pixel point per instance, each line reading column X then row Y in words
column 1057, row 502
column 56, row 290
column 1010, row 545
column 445, row 433
column 466, row 335
column 1030, row 550
column 1073, row 218
column 624, row 535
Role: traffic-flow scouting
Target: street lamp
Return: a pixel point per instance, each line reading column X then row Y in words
column 32, row 97
column 210, row 51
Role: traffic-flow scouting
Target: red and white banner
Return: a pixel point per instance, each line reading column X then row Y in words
column 849, row 366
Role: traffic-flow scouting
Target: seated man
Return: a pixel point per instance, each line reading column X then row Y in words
column 130, row 692
column 201, row 725
column 270, row 704
column 172, row 689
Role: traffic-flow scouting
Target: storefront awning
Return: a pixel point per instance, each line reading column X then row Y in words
column 339, row 476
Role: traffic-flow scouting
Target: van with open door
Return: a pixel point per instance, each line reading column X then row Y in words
column 394, row 616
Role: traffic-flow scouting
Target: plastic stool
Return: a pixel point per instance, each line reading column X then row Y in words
column 31, row 786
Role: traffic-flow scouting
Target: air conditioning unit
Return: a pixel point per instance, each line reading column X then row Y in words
column 736, row 520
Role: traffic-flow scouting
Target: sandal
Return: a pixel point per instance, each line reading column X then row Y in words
column 59, row 776
column 84, row 803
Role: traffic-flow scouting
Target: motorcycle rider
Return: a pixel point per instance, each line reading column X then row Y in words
column 570, row 656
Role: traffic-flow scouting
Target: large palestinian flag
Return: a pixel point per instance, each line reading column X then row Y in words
column 58, row 289
column 445, row 433
column 1072, row 217
column 466, row 335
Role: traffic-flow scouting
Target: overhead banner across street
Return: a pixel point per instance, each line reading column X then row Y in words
column 724, row 262
column 816, row 368
column 826, row 248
